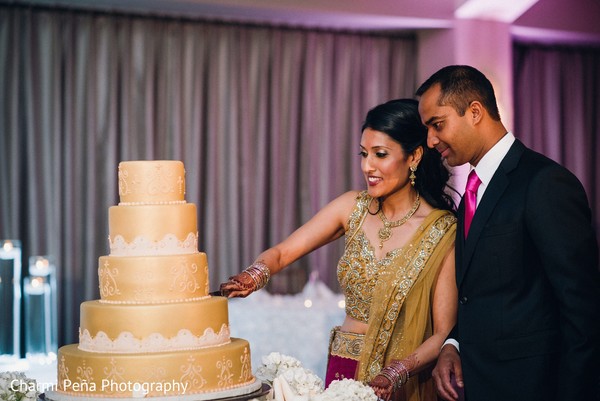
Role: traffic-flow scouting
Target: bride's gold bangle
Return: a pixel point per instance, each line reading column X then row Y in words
column 397, row 373
column 259, row 273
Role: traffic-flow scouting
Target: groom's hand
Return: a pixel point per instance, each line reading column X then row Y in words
column 447, row 371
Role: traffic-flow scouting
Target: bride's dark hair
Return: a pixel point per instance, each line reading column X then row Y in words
column 400, row 120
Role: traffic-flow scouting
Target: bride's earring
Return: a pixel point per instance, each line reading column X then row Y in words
column 412, row 176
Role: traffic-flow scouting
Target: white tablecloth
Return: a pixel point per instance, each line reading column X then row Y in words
column 43, row 371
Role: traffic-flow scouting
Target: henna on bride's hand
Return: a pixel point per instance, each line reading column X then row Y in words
column 382, row 387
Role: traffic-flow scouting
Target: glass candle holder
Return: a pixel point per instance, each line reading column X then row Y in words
column 43, row 266
column 10, row 300
column 36, row 295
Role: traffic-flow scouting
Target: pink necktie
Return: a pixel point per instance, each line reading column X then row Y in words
column 473, row 183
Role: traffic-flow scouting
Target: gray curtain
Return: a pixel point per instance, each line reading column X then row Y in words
column 266, row 119
column 557, row 93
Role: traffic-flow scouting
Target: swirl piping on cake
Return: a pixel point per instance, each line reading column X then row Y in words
column 141, row 246
column 127, row 343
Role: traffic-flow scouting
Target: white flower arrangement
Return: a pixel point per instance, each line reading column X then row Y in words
column 15, row 386
column 274, row 365
column 292, row 382
column 302, row 381
column 347, row 390
column 288, row 378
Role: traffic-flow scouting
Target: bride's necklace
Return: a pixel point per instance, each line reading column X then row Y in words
column 385, row 232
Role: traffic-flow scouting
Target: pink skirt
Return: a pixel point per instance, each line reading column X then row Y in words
column 344, row 353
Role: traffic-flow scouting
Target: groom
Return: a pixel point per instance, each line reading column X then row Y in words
column 526, row 257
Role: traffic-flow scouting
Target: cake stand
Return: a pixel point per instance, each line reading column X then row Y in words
column 262, row 394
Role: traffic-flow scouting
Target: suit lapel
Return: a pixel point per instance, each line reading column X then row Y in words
column 491, row 197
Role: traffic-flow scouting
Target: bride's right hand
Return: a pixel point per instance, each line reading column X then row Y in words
column 241, row 285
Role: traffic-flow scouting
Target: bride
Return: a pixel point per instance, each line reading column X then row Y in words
column 397, row 268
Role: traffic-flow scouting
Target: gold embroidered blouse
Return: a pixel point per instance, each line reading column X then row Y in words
column 393, row 295
column 358, row 268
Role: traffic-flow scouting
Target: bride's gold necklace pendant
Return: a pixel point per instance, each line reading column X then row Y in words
column 385, row 232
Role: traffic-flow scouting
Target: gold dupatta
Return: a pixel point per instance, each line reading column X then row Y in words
column 400, row 318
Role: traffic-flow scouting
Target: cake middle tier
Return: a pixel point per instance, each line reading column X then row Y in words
column 153, row 279
column 114, row 328
column 153, row 229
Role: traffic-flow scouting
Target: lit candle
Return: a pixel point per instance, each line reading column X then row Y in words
column 7, row 246
column 34, row 286
column 40, row 266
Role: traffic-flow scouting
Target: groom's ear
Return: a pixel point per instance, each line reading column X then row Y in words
column 476, row 111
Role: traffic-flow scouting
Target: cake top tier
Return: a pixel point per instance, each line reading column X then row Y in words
column 151, row 182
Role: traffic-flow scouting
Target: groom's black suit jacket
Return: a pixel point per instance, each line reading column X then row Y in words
column 529, row 285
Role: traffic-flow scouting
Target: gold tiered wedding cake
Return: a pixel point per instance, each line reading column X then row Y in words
column 155, row 332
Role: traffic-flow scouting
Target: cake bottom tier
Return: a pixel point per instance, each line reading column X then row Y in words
column 216, row 372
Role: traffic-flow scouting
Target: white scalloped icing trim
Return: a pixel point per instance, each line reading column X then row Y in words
column 127, row 343
column 141, row 246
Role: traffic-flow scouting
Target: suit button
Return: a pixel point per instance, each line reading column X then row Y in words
column 463, row 300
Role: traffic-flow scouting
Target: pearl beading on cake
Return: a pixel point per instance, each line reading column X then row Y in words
column 152, row 203
column 162, row 301
column 127, row 343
